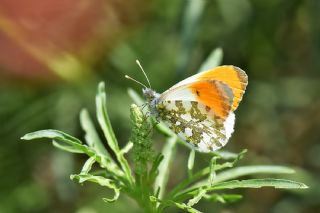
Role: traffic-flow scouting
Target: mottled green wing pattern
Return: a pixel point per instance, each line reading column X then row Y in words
column 196, row 124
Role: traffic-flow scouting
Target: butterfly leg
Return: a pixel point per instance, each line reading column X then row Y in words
column 153, row 126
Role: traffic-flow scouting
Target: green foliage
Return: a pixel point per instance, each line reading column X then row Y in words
column 213, row 60
column 146, row 180
column 276, row 42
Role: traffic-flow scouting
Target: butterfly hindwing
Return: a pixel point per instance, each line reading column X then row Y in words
column 190, row 121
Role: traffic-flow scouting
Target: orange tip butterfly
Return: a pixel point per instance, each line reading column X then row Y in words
column 200, row 109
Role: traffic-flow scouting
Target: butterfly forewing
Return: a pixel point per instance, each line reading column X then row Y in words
column 234, row 77
column 211, row 93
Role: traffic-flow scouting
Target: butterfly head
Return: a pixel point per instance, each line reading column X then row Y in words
column 152, row 100
column 150, row 95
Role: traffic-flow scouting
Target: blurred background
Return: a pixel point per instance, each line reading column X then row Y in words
column 53, row 54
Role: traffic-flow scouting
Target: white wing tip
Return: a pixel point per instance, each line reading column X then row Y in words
column 229, row 125
column 206, row 146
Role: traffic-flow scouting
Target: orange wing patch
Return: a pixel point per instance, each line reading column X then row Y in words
column 233, row 76
column 213, row 94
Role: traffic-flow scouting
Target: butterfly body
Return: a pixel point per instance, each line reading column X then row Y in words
column 200, row 109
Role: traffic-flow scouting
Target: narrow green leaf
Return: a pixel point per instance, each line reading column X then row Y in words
column 88, row 165
column 243, row 171
column 249, row 170
column 234, row 184
column 226, row 155
column 104, row 121
column 258, row 183
column 186, row 207
column 191, row 161
column 166, row 203
column 212, row 61
column 51, row 134
column 168, row 153
column 93, row 140
column 192, row 16
column 213, row 174
column 127, row 148
column 135, row 97
column 91, row 136
column 81, row 178
column 201, row 193
column 103, row 118
column 190, row 25
column 153, row 173
column 74, row 144
column 66, row 148
column 223, row 198
column 163, row 129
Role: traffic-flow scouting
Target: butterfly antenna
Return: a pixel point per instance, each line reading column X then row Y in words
column 132, row 79
column 138, row 62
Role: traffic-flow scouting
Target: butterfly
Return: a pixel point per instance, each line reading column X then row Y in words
column 200, row 109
